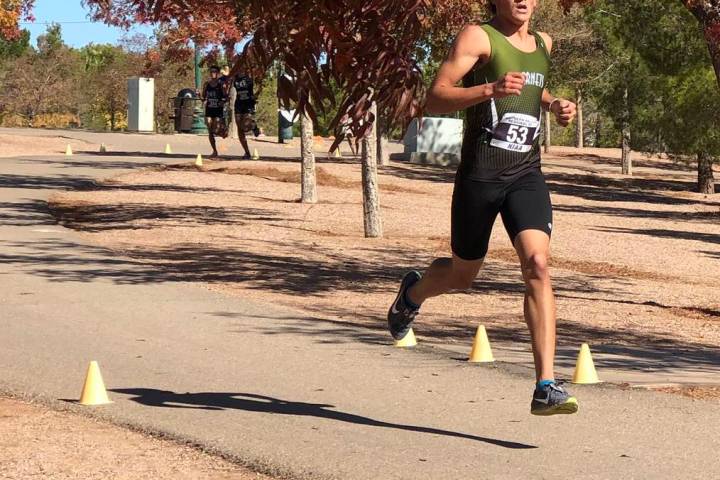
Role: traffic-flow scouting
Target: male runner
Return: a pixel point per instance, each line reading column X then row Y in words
column 504, row 67
column 245, row 109
column 214, row 96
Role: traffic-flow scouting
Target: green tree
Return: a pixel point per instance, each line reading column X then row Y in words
column 665, row 72
column 43, row 80
column 580, row 59
column 107, row 69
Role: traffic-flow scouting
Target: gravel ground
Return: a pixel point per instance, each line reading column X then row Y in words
column 39, row 443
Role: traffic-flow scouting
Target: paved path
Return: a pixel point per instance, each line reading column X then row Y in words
column 303, row 396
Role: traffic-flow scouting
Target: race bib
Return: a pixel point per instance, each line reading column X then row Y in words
column 515, row 132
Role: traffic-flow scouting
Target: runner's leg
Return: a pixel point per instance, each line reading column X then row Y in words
column 240, row 120
column 475, row 206
column 210, row 122
column 533, row 248
column 527, row 215
column 443, row 275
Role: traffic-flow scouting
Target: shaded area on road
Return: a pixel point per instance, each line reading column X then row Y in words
column 97, row 218
column 50, row 182
column 25, row 212
column 251, row 402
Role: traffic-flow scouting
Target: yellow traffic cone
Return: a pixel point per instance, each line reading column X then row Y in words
column 168, row 150
column 481, row 351
column 337, row 153
column 93, row 392
column 407, row 341
column 585, row 368
column 103, row 148
column 68, row 151
column 256, row 155
column 199, row 161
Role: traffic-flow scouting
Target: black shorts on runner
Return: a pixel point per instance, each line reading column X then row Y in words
column 214, row 113
column 523, row 203
column 244, row 107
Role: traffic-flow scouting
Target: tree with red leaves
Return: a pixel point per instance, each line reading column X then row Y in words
column 708, row 14
column 368, row 48
column 11, row 13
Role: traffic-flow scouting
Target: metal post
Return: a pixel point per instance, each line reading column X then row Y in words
column 198, row 126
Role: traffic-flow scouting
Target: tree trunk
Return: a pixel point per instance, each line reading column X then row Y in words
column 579, row 126
column 371, row 201
column 308, row 189
column 547, row 132
column 232, row 128
column 598, row 132
column 714, row 47
column 708, row 14
column 706, row 179
column 383, row 155
column 626, row 160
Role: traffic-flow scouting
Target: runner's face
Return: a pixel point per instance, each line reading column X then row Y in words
column 214, row 74
column 517, row 12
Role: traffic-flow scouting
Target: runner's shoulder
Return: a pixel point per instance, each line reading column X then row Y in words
column 547, row 39
column 473, row 40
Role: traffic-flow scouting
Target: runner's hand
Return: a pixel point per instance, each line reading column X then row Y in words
column 511, row 83
column 564, row 111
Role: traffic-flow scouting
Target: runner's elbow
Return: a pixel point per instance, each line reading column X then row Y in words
column 435, row 104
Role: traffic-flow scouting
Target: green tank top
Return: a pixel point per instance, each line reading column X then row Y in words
column 502, row 136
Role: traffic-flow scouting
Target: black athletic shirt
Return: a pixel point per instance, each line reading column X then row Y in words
column 245, row 99
column 214, row 95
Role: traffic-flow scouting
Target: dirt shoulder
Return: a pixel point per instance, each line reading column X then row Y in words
column 38, row 442
column 21, row 145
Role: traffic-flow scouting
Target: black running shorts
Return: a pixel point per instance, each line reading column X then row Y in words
column 523, row 203
column 214, row 112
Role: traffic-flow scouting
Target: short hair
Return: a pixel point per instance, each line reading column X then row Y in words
column 215, row 68
column 492, row 7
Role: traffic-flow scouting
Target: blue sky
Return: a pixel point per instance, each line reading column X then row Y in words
column 75, row 34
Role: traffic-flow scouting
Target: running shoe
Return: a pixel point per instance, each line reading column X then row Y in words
column 401, row 315
column 552, row 399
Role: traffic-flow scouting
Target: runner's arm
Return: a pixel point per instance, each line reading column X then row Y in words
column 471, row 45
column 564, row 110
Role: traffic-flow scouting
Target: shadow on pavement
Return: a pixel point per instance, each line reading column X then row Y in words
column 250, row 402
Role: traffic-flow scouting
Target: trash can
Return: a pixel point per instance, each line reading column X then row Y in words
column 285, row 124
column 185, row 105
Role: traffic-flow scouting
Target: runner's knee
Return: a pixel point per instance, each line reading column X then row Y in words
column 535, row 267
